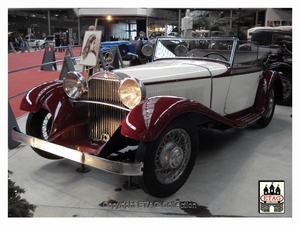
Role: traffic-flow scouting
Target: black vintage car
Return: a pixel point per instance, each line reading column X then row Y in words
column 279, row 44
column 281, row 61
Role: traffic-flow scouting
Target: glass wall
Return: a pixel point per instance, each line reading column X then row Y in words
column 212, row 22
column 41, row 23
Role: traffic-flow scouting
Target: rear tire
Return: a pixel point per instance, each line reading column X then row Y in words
column 270, row 108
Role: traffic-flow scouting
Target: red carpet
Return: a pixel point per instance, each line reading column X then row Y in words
column 22, row 81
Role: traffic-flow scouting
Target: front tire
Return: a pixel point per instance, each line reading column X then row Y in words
column 168, row 160
column 270, row 108
column 39, row 125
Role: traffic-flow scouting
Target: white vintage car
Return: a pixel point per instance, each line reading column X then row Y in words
column 32, row 43
column 142, row 121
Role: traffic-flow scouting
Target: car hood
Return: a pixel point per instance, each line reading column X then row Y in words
column 164, row 70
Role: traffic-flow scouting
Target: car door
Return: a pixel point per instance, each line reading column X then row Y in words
column 245, row 76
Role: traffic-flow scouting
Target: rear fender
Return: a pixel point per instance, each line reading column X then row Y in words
column 269, row 80
column 147, row 120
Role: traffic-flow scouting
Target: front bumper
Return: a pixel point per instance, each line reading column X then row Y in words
column 116, row 167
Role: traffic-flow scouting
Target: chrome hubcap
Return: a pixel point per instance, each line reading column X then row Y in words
column 172, row 156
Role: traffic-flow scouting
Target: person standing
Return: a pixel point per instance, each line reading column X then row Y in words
column 111, row 37
column 61, row 41
column 21, row 43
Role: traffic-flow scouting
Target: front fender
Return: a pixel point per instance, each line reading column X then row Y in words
column 51, row 96
column 147, row 120
column 36, row 97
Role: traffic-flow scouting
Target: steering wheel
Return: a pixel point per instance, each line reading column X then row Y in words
column 215, row 53
column 109, row 58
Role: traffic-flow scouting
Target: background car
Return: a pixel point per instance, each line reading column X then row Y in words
column 269, row 39
column 282, row 62
column 156, row 34
column 32, row 43
column 125, row 47
column 49, row 40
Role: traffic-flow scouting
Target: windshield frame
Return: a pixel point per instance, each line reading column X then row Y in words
column 170, row 54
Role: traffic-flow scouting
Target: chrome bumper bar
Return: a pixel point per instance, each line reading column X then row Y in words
column 121, row 168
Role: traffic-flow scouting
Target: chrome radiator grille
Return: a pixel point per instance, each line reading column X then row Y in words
column 104, row 119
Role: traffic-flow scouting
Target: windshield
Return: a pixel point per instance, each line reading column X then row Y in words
column 191, row 47
column 228, row 50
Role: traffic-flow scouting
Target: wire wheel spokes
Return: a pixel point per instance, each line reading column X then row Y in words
column 172, row 156
column 46, row 126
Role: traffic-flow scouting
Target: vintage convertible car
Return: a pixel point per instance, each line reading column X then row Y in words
column 142, row 121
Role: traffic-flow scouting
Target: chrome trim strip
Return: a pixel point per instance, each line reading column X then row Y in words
column 101, row 103
column 120, row 168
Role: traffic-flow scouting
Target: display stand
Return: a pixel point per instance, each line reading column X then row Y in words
column 66, row 67
column 70, row 53
column 88, row 70
column 130, row 185
column 83, row 168
column 12, row 47
column 49, row 59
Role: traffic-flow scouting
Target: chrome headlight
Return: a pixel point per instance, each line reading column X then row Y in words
column 131, row 92
column 147, row 50
column 74, row 84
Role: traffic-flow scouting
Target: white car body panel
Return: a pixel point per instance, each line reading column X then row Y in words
column 205, row 81
column 196, row 89
column 242, row 92
column 173, row 70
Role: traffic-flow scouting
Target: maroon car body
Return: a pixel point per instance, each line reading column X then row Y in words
column 142, row 121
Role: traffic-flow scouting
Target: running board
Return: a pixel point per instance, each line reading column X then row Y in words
column 245, row 119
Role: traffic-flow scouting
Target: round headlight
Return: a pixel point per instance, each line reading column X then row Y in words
column 147, row 50
column 131, row 92
column 74, row 84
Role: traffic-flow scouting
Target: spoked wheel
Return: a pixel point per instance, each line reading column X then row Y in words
column 168, row 160
column 39, row 125
column 266, row 119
